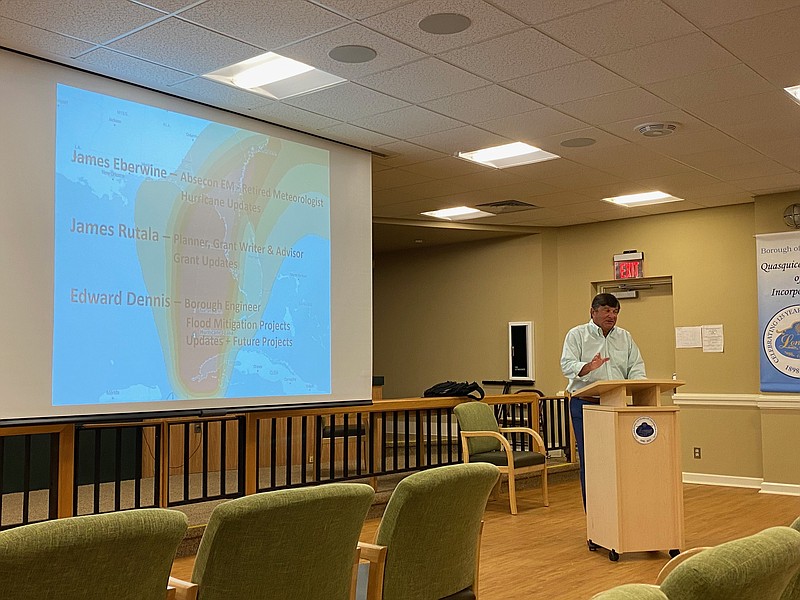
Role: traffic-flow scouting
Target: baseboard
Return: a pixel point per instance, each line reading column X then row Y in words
column 784, row 489
column 723, row 480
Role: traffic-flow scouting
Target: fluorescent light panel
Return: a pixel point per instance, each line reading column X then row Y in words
column 274, row 76
column 458, row 213
column 794, row 91
column 508, row 155
column 643, row 199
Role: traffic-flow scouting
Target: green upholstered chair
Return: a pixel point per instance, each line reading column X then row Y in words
column 758, row 566
column 792, row 591
column 123, row 555
column 291, row 544
column 428, row 542
column 483, row 440
column 632, row 591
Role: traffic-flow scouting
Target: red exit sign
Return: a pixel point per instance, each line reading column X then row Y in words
column 629, row 265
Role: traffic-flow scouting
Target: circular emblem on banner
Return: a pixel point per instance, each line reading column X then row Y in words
column 645, row 430
column 782, row 341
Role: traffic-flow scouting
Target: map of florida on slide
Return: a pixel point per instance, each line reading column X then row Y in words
column 192, row 259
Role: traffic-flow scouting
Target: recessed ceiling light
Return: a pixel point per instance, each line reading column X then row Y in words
column 644, row 199
column 274, row 76
column 507, row 155
column 578, row 142
column 352, row 54
column 794, row 92
column 445, row 23
column 457, row 213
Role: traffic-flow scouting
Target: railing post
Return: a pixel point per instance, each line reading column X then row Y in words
column 250, row 454
column 66, row 470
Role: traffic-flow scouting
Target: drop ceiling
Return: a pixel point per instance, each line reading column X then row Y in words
column 543, row 72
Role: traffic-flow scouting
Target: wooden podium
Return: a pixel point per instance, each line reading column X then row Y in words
column 634, row 493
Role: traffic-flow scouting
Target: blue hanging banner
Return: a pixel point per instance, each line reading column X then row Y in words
column 778, row 264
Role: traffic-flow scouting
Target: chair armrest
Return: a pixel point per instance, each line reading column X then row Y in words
column 376, row 556
column 492, row 434
column 538, row 442
column 675, row 561
column 184, row 590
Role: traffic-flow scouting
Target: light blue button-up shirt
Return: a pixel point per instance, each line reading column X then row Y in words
column 584, row 341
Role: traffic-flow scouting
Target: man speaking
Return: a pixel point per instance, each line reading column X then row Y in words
column 597, row 351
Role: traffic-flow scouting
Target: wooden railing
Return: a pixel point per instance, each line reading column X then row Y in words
column 95, row 468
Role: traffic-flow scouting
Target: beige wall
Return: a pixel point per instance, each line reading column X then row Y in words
column 442, row 313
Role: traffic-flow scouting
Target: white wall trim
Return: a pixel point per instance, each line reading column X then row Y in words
column 761, row 401
column 730, row 400
column 786, row 489
column 723, row 480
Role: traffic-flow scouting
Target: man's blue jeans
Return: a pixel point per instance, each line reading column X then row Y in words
column 576, row 414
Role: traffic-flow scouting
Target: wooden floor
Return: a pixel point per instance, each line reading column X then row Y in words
column 541, row 553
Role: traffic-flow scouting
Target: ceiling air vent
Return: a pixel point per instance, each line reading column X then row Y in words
column 502, row 207
column 656, row 129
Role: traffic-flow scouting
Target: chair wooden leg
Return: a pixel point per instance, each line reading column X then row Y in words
column 544, row 487
column 512, row 492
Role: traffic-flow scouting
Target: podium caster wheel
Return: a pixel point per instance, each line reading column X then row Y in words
column 592, row 546
column 674, row 552
column 613, row 556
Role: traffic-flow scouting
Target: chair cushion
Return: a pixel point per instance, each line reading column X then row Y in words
column 522, row 458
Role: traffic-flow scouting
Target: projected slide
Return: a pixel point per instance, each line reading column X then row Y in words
column 192, row 258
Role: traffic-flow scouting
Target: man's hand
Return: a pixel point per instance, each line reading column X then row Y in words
column 596, row 362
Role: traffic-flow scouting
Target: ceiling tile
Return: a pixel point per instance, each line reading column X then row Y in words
column 616, row 106
column 582, row 178
column 314, row 51
column 735, row 153
column 493, row 59
column 401, row 153
column 605, row 143
column 707, row 14
column 90, row 20
column 225, row 96
column 482, row 104
column 770, row 185
column 774, row 105
column 31, row 39
column 720, row 84
column 669, row 59
column 618, row 26
column 402, row 23
column 767, row 35
column 786, row 151
column 545, row 10
column 532, row 125
column 724, row 200
column 361, row 9
column 783, row 69
column 168, row 6
column 687, row 143
column 408, row 122
column 678, row 184
column 291, row 116
column 442, row 168
column 770, row 129
column 463, row 139
column 268, row 27
column 129, row 68
column 346, row 102
column 166, row 43
column 391, row 178
column 571, row 82
column 357, row 136
column 423, row 80
column 761, row 168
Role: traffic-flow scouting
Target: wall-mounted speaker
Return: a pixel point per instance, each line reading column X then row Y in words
column 520, row 350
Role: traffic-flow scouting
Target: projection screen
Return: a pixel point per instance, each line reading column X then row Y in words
column 161, row 256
